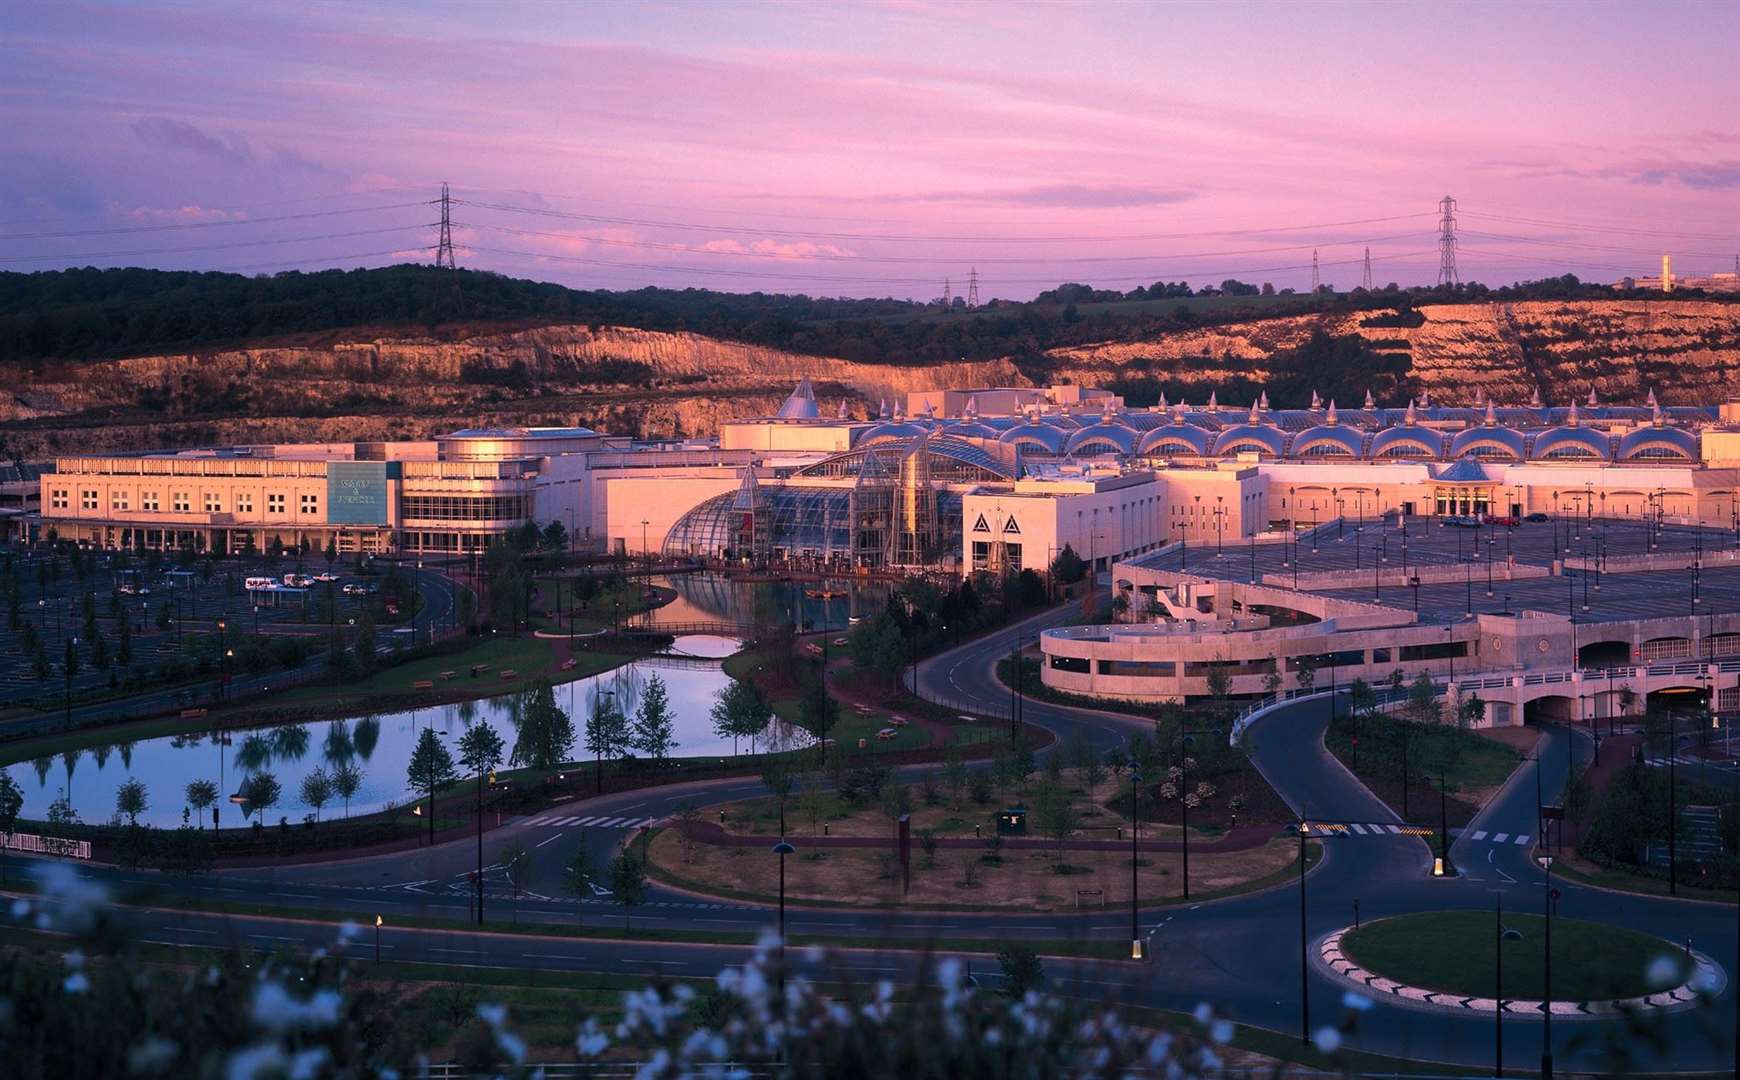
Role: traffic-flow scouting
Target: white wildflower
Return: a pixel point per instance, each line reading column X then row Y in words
column 1663, row 972
column 76, row 983
column 151, row 1056
column 307, row 1064
column 592, row 1040
column 1203, row 1013
column 1221, row 1031
column 275, row 1009
column 1327, row 1040
column 1356, row 1001
column 252, row 1062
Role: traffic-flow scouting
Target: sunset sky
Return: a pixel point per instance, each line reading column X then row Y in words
column 877, row 148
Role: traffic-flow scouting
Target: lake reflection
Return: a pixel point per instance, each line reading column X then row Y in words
column 379, row 746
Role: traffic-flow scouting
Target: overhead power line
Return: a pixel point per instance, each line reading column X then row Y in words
column 231, row 223
column 740, row 230
column 210, row 247
column 1603, row 228
column 823, row 256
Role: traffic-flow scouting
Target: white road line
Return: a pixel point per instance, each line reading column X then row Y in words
column 1360, row 829
column 1499, row 838
column 1396, row 829
column 610, row 823
column 551, row 838
column 585, row 822
column 1480, row 834
column 540, row 820
column 1522, row 839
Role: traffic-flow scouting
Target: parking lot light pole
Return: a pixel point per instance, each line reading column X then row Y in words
column 1304, row 966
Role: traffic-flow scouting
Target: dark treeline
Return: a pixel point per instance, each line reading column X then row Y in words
column 82, row 314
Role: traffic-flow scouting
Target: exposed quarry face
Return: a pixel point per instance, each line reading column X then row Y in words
column 1685, row 350
column 650, row 382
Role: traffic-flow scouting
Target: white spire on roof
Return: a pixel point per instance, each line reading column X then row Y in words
column 801, row 405
column 1479, row 397
column 1213, row 400
column 1535, row 399
column 1593, row 400
column 1425, row 398
column 1256, row 416
column 1263, row 400
column 1162, row 402
column 1331, row 418
column 1655, row 414
column 1491, row 415
column 1409, row 418
column 882, row 410
column 1316, row 402
column 972, row 409
column 1652, row 401
column 899, row 409
column 1571, row 417
column 1370, row 402
column 843, row 413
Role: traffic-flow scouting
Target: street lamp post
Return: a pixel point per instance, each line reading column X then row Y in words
column 1547, row 1003
column 377, row 939
column 1304, row 966
column 1135, row 831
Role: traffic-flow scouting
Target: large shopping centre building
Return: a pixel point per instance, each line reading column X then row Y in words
column 1001, row 479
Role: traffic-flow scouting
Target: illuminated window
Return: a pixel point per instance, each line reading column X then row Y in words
column 179, row 502
column 310, row 503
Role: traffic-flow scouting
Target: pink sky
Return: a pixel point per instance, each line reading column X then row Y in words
column 875, row 149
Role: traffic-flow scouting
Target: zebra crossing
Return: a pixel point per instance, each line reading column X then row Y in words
column 557, row 821
column 1482, row 836
column 1364, row 828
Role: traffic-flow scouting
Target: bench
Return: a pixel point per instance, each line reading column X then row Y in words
column 423, row 684
column 1096, row 896
column 445, row 675
column 887, row 733
column 569, row 664
column 192, row 714
column 509, row 673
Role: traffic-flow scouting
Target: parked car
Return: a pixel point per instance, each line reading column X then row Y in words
column 354, row 589
column 325, row 576
column 1537, row 517
column 1462, row 521
column 1501, row 519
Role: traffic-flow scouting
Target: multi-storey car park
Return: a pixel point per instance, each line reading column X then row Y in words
column 1245, row 538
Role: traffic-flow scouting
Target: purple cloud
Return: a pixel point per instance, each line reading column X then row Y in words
column 167, row 134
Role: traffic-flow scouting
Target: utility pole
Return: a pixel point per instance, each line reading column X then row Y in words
column 973, row 287
column 947, row 296
column 1447, row 242
column 444, row 249
column 1316, row 277
column 1367, row 279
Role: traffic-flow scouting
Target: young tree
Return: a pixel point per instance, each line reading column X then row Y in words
column 431, row 768
column 316, row 790
column 131, row 799
column 954, row 775
column 546, row 737
column 1305, row 672
column 1068, row 567
column 896, row 802
column 1056, row 816
column 260, row 792
column 1023, row 971
column 346, row 779
column 577, row 879
column 11, row 804
column 653, row 722
column 480, row 751
column 1422, row 706
column 777, row 777
column 516, row 863
column 124, row 641
column 201, row 796
column 812, row 799
column 740, row 712
column 627, row 881
column 818, row 712
column 606, row 733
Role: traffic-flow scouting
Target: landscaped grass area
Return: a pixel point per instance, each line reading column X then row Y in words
column 1454, row 951
column 530, row 657
column 988, row 874
column 1471, row 763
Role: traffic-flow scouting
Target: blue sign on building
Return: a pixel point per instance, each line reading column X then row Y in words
column 356, row 492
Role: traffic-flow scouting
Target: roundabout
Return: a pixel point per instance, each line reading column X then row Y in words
column 1475, row 961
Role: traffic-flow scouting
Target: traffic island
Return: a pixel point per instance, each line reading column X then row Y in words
column 852, row 856
column 1451, row 960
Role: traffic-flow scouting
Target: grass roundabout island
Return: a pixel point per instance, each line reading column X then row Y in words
column 1453, row 952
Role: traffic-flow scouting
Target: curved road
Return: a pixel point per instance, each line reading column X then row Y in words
column 1241, row 954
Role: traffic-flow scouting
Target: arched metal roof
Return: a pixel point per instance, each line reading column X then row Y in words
column 1117, row 437
column 1177, row 438
column 1658, row 441
column 1488, row 441
column 893, row 431
column 1570, row 442
column 972, row 429
column 1043, row 436
column 1263, row 438
column 973, row 461
column 1329, row 440
column 1407, row 440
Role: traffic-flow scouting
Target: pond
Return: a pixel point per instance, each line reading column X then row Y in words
column 379, row 746
column 711, row 597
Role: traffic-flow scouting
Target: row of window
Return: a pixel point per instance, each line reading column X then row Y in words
column 180, row 502
column 466, row 507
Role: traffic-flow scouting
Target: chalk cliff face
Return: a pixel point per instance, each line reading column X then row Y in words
column 650, row 382
column 614, row 379
column 1686, row 350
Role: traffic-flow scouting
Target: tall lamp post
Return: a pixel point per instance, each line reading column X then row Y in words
column 1304, row 965
column 1135, row 831
column 1547, row 1012
column 782, row 849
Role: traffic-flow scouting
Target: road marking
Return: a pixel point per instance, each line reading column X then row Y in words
column 1480, row 834
column 1500, row 838
column 1522, row 839
column 1396, row 829
column 1360, row 829
column 437, row 948
column 551, row 839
